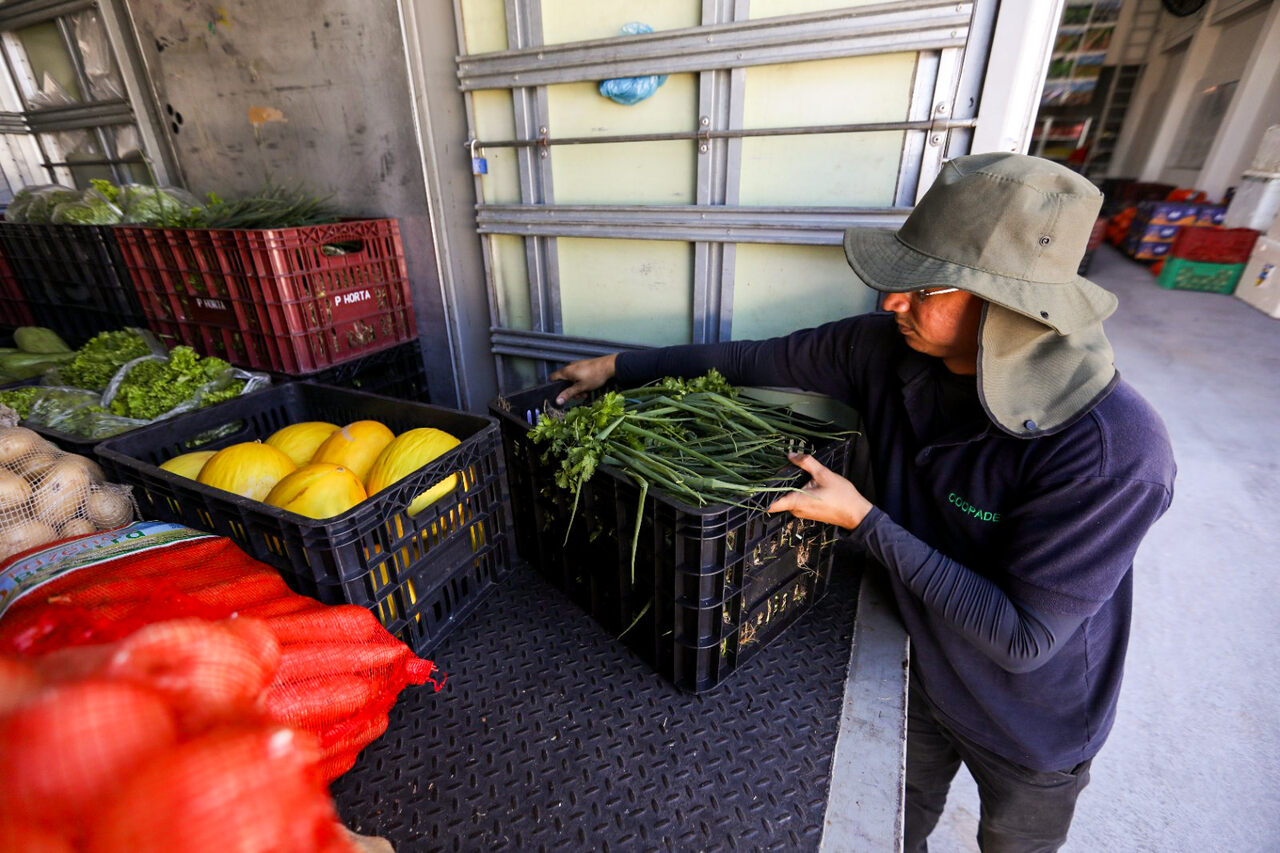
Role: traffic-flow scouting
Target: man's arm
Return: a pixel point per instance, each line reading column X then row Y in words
column 812, row 359
column 1016, row 637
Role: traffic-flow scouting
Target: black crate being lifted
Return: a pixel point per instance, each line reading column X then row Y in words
column 73, row 278
column 711, row 586
column 420, row 575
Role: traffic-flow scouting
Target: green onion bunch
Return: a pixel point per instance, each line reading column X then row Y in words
column 696, row 440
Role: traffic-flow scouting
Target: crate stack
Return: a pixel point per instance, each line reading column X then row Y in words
column 1096, row 236
column 1156, row 225
column 304, row 302
column 14, row 310
column 1207, row 259
column 69, row 278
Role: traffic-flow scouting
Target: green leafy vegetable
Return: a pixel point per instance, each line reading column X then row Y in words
column 99, row 359
column 274, row 206
column 696, row 440
column 152, row 388
column 146, row 205
column 91, row 208
column 36, row 204
column 21, row 399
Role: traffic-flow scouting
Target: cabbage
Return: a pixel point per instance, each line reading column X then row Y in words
column 36, row 204
column 146, row 205
column 92, row 208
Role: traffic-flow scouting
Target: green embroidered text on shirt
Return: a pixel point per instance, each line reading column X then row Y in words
column 969, row 509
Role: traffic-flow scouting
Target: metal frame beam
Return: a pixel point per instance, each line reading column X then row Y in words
column 17, row 14
column 910, row 25
column 812, row 226
column 544, row 346
column 720, row 109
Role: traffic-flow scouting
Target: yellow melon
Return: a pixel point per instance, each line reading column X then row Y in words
column 249, row 469
column 188, row 464
column 318, row 490
column 355, row 447
column 301, row 440
column 407, row 453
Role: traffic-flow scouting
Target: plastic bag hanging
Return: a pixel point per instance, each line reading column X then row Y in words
column 632, row 90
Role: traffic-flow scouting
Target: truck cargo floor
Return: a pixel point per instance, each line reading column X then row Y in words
column 551, row 735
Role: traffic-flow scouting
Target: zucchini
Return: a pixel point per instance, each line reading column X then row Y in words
column 39, row 340
column 25, row 365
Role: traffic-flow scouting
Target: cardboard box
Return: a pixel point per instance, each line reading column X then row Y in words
column 1260, row 282
column 1256, row 202
column 1147, row 250
column 1211, row 214
column 1169, row 212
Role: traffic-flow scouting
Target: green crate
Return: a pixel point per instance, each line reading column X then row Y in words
column 1182, row 274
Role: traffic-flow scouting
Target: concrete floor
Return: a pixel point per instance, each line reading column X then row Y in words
column 1193, row 763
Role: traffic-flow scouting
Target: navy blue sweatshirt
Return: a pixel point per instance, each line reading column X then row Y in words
column 1011, row 559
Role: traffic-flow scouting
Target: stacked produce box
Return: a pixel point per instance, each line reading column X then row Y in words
column 1207, row 259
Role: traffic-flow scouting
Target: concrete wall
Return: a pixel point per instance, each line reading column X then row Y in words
column 1229, row 41
column 310, row 91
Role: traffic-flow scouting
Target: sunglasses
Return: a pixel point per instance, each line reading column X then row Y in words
column 921, row 295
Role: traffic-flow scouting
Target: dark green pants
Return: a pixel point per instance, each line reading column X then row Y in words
column 1023, row 810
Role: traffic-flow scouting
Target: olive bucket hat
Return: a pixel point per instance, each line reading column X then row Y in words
column 1010, row 229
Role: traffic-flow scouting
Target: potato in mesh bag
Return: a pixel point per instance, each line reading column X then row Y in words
column 47, row 494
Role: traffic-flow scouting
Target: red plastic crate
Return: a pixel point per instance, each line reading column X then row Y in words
column 1098, row 233
column 1214, row 245
column 14, row 310
column 289, row 300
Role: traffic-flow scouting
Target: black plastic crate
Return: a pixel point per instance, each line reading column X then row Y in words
column 711, row 586
column 420, row 575
column 73, row 277
column 395, row 372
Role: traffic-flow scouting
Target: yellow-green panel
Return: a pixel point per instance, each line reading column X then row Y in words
column 631, row 291
column 47, row 54
column 521, row 373
column 495, row 119
column 626, row 173
column 779, row 289
column 494, row 113
column 511, row 281
column 582, row 20
column 501, row 184
column 774, row 8
column 842, row 170
column 484, row 26
column 578, row 109
column 850, row 90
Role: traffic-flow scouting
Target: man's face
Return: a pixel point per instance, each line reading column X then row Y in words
column 944, row 325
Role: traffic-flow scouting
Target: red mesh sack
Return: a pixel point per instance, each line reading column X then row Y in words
column 335, row 671
column 269, row 798
column 106, row 749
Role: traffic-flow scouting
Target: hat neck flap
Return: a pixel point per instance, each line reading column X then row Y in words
column 1034, row 381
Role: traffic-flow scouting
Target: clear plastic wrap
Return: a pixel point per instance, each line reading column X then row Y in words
column 36, row 204
column 91, row 208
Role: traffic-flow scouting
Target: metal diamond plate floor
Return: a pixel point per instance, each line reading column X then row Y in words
column 550, row 735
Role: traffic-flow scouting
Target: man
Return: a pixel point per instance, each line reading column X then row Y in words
column 1017, row 475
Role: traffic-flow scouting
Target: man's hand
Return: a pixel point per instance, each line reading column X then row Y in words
column 586, row 375
column 827, row 497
